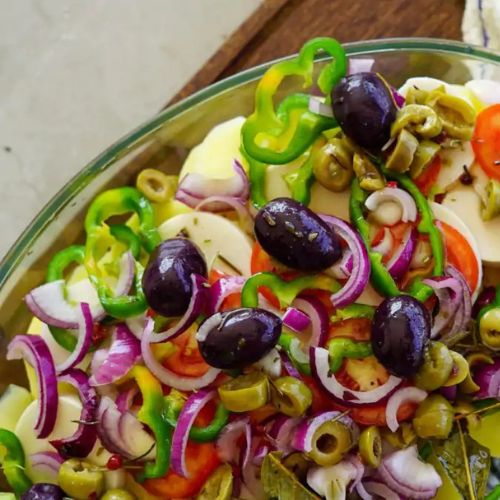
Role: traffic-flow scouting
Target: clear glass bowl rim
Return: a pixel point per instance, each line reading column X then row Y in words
column 100, row 163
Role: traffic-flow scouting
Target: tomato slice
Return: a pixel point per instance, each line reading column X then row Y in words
column 426, row 180
column 398, row 232
column 486, row 140
column 201, row 461
column 187, row 360
column 460, row 254
column 360, row 374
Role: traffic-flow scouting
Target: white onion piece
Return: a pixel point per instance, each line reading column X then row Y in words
column 399, row 398
column 281, row 432
column 270, row 364
column 320, row 479
column 227, row 446
column 360, row 65
column 226, row 203
column 166, row 376
column 320, row 365
column 319, row 107
column 297, row 352
column 400, row 196
column 380, row 490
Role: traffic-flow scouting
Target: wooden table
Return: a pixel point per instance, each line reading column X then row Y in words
column 280, row 27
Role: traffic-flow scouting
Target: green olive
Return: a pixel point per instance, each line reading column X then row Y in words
column 489, row 328
column 468, row 386
column 456, row 114
column 434, row 418
column 419, row 118
column 368, row 176
column 436, row 368
column 370, row 446
column 332, row 165
column 80, row 479
column 298, row 464
column 117, row 494
column 492, row 206
column 156, row 186
column 402, row 155
column 424, row 155
column 402, row 438
column 219, row 486
column 459, row 371
column 245, row 393
column 330, row 442
column 291, row 396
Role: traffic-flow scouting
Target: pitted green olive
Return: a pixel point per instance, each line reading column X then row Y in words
column 489, row 328
column 330, row 442
column 434, row 418
column 369, row 177
column 419, row 118
column 332, row 165
column 436, row 369
column 80, row 480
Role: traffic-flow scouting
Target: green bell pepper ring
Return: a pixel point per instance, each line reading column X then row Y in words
column 285, row 291
column 118, row 202
column 494, row 494
column 277, row 138
column 285, row 342
column 489, row 307
column 353, row 311
column 174, row 404
column 152, row 414
column 341, row 348
column 12, row 460
column 125, row 235
column 74, row 254
column 380, row 276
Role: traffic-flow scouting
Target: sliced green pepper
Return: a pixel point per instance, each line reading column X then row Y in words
column 491, row 208
column 380, row 277
column 13, row 462
column 152, row 414
column 174, row 403
column 285, row 291
column 74, row 254
column 113, row 202
column 276, row 138
column 125, row 234
column 341, row 348
column 354, row 311
column 285, row 342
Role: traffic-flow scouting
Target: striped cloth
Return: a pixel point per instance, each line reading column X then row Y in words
column 481, row 23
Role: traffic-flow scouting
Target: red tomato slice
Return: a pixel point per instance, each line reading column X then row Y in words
column 201, row 461
column 398, row 232
column 460, row 254
column 359, row 373
column 486, row 140
column 187, row 360
column 428, row 177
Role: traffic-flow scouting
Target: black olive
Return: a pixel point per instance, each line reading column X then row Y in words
column 234, row 338
column 400, row 330
column 365, row 109
column 167, row 278
column 295, row 236
column 43, row 491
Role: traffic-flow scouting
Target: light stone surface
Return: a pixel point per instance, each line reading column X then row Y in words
column 78, row 74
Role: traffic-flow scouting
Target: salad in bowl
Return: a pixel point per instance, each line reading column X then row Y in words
column 310, row 309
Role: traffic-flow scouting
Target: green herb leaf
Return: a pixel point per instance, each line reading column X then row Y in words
column 456, row 459
column 279, row 482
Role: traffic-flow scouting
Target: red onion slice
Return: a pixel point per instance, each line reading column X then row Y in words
column 49, row 304
column 423, row 481
column 80, row 444
column 47, row 462
column 343, row 268
column 360, row 470
column 222, row 289
column 260, row 453
column 34, row 350
column 320, row 366
column 400, row 261
column 449, row 293
column 123, row 354
column 270, row 364
column 226, row 203
column 467, row 294
column 85, row 332
column 166, row 376
column 227, row 442
column 126, row 398
column 318, row 315
column 195, row 307
column 296, row 320
column 400, row 397
column 195, row 187
column 487, row 378
column 380, row 490
column 386, row 243
column 288, row 365
column 319, row 107
column 281, row 432
column 360, row 275
column 397, row 195
column 192, row 407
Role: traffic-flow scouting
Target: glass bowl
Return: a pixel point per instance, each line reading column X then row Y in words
column 163, row 143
